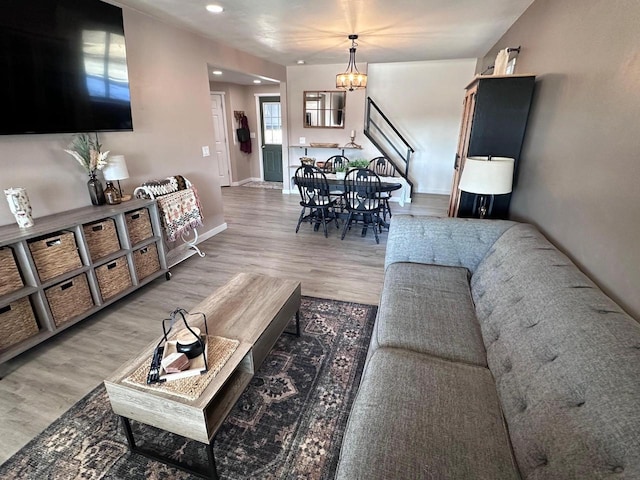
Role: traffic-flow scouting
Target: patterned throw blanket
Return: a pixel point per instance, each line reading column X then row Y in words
column 180, row 212
column 166, row 185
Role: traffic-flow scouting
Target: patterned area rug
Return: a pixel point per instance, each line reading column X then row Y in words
column 273, row 185
column 288, row 424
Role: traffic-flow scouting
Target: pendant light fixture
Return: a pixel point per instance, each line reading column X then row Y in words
column 352, row 79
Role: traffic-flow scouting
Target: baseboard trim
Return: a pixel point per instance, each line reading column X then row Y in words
column 246, row 180
column 396, row 199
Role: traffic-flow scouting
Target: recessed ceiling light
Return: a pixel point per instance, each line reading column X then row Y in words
column 300, row 62
column 215, row 8
column 217, row 72
column 257, row 81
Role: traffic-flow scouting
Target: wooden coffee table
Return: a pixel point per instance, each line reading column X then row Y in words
column 254, row 309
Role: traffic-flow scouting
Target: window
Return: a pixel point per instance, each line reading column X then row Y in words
column 272, row 118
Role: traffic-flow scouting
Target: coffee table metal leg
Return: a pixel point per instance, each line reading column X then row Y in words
column 212, row 462
column 297, row 332
column 128, row 433
column 211, row 473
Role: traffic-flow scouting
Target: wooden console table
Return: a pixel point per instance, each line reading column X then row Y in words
column 342, row 149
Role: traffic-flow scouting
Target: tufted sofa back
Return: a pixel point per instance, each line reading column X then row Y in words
column 455, row 242
column 566, row 360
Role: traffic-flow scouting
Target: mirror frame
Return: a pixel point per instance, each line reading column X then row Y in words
column 306, row 112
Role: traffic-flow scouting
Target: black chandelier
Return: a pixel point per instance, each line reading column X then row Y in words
column 351, row 79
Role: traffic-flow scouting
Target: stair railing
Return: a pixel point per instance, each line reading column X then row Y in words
column 386, row 138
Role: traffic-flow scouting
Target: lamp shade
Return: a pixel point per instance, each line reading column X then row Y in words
column 116, row 168
column 487, row 175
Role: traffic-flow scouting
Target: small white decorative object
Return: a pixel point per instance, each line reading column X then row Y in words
column 351, row 144
column 19, row 205
column 500, row 66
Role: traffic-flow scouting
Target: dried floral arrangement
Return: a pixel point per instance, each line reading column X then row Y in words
column 87, row 152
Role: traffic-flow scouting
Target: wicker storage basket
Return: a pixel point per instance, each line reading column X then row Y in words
column 10, row 279
column 146, row 261
column 17, row 322
column 102, row 238
column 69, row 299
column 113, row 277
column 55, row 255
column 139, row 225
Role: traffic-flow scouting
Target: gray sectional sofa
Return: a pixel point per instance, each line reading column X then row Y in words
column 493, row 357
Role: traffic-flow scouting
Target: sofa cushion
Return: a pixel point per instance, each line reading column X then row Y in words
column 417, row 416
column 428, row 309
column 566, row 360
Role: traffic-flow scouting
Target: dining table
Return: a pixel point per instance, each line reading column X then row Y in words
column 387, row 185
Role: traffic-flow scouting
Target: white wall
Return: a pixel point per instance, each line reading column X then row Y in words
column 171, row 110
column 424, row 101
column 323, row 77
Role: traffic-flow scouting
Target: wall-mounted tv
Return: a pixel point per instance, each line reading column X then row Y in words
column 63, row 67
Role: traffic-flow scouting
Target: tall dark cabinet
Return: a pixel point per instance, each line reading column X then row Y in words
column 494, row 121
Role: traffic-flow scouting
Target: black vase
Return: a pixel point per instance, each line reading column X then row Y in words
column 96, row 191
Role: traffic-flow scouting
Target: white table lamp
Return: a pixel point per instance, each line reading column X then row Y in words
column 487, row 176
column 116, row 169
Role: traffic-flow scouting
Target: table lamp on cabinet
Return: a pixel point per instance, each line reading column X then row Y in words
column 486, row 177
column 116, row 169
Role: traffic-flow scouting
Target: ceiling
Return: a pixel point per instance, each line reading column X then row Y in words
column 284, row 31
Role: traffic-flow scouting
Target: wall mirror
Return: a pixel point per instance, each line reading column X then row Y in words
column 324, row 109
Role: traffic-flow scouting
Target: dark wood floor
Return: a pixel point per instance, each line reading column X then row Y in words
column 41, row 384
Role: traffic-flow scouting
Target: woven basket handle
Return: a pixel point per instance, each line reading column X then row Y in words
column 55, row 241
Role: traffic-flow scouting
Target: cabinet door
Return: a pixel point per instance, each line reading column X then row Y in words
column 494, row 123
column 463, row 148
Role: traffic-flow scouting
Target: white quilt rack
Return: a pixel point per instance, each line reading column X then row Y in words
column 153, row 192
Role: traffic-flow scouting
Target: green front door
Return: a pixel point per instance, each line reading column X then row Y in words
column 271, row 124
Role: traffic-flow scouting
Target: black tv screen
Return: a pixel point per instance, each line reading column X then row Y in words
column 63, row 67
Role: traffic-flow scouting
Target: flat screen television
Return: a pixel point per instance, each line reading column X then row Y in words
column 63, row 67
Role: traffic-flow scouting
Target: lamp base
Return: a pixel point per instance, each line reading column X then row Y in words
column 482, row 210
column 485, row 207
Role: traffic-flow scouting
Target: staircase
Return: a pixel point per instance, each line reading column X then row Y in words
column 388, row 140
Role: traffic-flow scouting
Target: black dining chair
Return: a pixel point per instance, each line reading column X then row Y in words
column 330, row 167
column 314, row 192
column 384, row 168
column 333, row 162
column 362, row 200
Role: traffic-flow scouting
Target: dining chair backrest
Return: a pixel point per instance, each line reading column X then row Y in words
column 333, row 162
column 313, row 186
column 362, row 190
column 383, row 167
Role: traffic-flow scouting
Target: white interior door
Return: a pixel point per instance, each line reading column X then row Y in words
column 220, row 144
